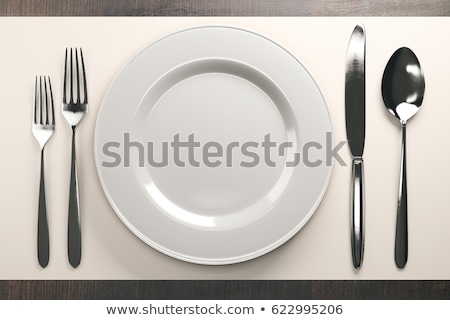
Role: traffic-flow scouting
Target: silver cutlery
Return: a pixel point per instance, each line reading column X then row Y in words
column 74, row 108
column 355, row 114
column 43, row 128
column 403, row 87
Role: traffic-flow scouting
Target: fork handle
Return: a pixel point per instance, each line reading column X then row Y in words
column 74, row 229
column 43, row 246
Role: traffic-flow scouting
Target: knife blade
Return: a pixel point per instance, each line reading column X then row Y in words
column 355, row 114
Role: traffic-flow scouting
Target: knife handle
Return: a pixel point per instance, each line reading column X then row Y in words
column 357, row 212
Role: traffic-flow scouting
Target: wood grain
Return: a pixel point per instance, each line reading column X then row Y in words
column 224, row 290
column 224, row 8
column 26, row 289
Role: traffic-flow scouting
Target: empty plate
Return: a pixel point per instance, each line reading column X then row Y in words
column 211, row 145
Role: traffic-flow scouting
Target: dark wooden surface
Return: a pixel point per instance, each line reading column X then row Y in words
column 27, row 289
column 224, row 290
column 224, row 8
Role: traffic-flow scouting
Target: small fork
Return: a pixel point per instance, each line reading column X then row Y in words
column 74, row 108
column 43, row 128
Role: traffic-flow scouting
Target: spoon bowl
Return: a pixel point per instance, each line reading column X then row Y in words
column 403, row 84
column 403, row 88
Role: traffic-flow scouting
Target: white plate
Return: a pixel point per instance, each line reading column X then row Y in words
column 228, row 89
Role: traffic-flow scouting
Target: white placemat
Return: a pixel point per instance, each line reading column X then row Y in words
column 321, row 250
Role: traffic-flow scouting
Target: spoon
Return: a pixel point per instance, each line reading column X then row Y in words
column 402, row 87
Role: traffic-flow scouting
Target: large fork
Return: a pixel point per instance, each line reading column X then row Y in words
column 43, row 128
column 74, row 108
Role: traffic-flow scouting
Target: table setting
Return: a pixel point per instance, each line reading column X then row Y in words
column 324, row 95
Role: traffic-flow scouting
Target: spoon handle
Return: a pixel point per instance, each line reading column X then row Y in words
column 357, row 212
column 401, row 232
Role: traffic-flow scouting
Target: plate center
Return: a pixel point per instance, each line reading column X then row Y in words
column 213, row 148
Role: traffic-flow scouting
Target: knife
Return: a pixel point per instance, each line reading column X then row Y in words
column 355, row 117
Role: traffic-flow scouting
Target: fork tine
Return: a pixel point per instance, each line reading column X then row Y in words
column 46, row 102
column 65, row 80
column 52, row 107
column 71, row 100
column 35, row 102
column 77, row 76
column 43, row 106
column 74, row 83
column 40, row 102
column 84, row 79
column 68, row 77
